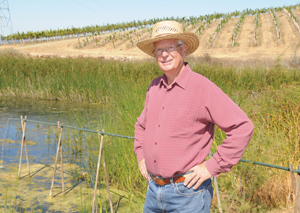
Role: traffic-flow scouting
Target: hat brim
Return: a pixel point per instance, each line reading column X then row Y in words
column 190, row 39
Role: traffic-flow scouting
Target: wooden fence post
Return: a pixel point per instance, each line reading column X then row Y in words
column 56, row 159
column 107, row 184
column 216, row 188
column 23, row 143
column 98, row 167
column 62, row 162
column 298, row 189
column 295, row 187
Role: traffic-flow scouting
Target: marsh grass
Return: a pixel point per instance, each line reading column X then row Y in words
column 269, row 94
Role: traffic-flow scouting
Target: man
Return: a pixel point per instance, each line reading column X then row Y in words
column 174, row 133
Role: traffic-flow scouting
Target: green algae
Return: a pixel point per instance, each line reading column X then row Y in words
column 7, row 141
column 32, row 193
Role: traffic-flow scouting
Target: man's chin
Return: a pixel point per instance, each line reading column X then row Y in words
column 166, row 67
column 166, row 70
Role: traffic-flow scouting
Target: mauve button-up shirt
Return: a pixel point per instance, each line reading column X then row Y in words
column 175, row 130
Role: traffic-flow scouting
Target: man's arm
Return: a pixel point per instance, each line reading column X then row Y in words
column 223, row 112
column 139, row 138
column 138, row 149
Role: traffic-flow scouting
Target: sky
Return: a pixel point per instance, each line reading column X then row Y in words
column 38, row 15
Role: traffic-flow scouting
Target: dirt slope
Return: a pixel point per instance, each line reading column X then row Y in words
column 246, row 37
column 224, row 38
column 207, row 33
column 289, row 33
column 267, row 47
column 267, row 32
column 296, row 13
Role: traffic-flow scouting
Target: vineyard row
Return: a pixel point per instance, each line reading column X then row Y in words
column 135, row 31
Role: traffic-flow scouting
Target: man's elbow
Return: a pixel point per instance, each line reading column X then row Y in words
column 251, row 128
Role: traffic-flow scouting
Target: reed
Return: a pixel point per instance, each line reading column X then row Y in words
column 270, row 96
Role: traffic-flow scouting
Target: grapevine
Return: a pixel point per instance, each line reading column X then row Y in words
column 275, row 19
column 123, row 31
column 288, row 11
column 237, row 27
column 219, row 27
column 255, row 28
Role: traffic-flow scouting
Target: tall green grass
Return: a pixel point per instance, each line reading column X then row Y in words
column 270, row 96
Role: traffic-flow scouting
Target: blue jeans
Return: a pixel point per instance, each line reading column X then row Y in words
column 175, row 197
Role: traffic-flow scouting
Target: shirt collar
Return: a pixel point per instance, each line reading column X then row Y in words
column 182, row 79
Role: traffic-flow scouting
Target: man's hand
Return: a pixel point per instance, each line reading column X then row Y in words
column 199, row 175
column 143, row 169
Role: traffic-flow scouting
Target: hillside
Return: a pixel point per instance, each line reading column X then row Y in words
column 267, row 47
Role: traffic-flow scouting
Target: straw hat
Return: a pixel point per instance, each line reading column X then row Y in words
column 169, row 30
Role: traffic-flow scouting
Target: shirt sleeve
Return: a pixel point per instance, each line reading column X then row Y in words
column 138, row 139
column 140, row 130
column 223, row 112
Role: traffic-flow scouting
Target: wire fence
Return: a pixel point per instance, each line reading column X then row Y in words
column 129, row 137
column 295, row 180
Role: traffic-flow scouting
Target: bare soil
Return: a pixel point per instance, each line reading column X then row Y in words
column 246, row 37
column 266, row 49
column 289, row 33
column 224, row 39
column 206, row 34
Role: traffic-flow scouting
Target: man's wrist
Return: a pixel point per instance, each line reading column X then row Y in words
column 213, row 167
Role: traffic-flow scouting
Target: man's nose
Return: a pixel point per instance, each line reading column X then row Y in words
column 164, row 52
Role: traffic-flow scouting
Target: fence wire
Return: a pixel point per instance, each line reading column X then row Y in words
column 129, row 137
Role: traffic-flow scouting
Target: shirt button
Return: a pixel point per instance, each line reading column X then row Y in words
column 158, row 125
column 155, row 143
column 163, row 108
column 154, row 161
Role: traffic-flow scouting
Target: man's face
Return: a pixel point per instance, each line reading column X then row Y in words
column 170, row 63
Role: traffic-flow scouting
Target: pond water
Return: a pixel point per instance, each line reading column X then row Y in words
column 32, row 193
column 73, row 114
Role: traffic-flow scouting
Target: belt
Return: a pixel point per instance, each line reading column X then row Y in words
column 164, row 181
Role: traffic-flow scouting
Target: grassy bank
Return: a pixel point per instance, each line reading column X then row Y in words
column 269, row 95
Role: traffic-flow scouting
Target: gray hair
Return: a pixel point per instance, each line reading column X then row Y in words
column 180, row 42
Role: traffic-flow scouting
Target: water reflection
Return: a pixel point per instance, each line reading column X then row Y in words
column 38, row 136
column 80, row 149
column 50, row 111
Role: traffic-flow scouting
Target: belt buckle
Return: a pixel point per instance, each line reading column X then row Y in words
column 161, row 181
column 158, row 180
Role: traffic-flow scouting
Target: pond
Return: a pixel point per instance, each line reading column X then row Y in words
column 31, row 192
